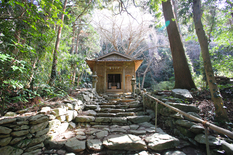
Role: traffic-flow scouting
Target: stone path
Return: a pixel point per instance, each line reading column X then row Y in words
column 117, row 125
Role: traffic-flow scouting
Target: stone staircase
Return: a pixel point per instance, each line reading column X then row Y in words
column 115, row 111
column 117, row 124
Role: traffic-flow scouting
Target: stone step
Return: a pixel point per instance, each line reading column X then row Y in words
column 117, row 138
column 112, row 120
column 109, row 110
column 114, row 106
column 127, row 100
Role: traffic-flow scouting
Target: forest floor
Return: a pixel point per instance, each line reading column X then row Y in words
column 202, row 99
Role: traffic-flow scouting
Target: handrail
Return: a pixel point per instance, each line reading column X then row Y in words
column 205, row 123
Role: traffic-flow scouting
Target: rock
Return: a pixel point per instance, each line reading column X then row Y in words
column 134, row 127
column 72, row 125
column 42, row 132
column 22, row 127
column 69, row 106
column 38, row 119
column 16, row 140
column 54, row 123
column 9, row 150
column 37, row 151
column 81, row 137
column 7, row 120
column 103, row 119
column 174, row 153
column 5, row 130
column 137, row 132
column 197, row 129
column 213, row 141
column 91, row 107
column 86, row 98
column 138, row 119
column 182, row 93
column 119, row 120
column 184, row 123
column 63, row 127
column 70, row 115
column 61, row 118
column 37, row 140
column 226, row 146
column 94, row 144
column 20, row 133
column 89, row 113
column 146, row 124
column 118, row 130
column 54, row 145
column 24, row 143
column 90, row 131
column 4, row 136
column 185, row 132
column 185, row 107
column 38, row 127
column 59, row 111
column 10, row 114
column 161, row 141
column 5, row 141
column 22, row 122
column 74, row 145
column 101, row 134
column 45, row 110
column 35, row 147
column 124, row 142
column 84, row 119
column 193, row 114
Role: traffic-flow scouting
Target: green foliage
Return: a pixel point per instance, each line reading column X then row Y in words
column 164, row 85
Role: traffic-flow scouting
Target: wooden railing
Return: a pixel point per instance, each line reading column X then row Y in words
column 206, row 124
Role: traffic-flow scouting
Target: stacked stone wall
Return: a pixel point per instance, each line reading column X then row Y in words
column 183, row 127
column 23, row 135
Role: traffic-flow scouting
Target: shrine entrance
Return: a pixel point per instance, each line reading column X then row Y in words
column 114, row 81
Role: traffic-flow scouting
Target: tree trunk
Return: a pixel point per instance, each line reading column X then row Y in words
column 144, row 74
column 73, row 39
column 215, row 93
column 183, row 78
column 55, row 54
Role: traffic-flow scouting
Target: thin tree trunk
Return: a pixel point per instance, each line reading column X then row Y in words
column 183, row 78
column 55, row 53
column 144, row 74
column 215, row 93
column 73, row 40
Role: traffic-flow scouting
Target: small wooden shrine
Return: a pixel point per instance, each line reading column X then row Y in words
column 114, row 71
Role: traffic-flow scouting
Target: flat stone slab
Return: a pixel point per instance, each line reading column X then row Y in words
column 119, row 120
column 124, row 142
column 74, row 145
column 137, row 132
column 185, row 107
column 213, row 141
column 182, row 93
column 94, row 144
column 138, row 119
column 84, row 119
column 161, row 141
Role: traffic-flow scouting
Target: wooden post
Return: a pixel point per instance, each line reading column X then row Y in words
column 105, row 79
column 123, row 78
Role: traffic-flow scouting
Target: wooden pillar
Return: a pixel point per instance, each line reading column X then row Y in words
column 123, row 78
column 105, row 79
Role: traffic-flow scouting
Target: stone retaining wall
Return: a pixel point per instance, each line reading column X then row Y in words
column 23, row 135
column 184, row 127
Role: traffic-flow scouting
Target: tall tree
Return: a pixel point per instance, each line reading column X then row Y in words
column 55, row 53
column 202, row 38
column 183, row 78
